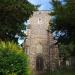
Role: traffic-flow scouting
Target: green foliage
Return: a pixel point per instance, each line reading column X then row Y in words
column 13, row 13
column 13, row 60
column 59, row 12
column 66, row 50
column 63, row 14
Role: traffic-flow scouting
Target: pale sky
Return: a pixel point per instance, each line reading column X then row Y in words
column 45, row 5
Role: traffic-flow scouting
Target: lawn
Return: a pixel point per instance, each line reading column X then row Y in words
column 62, row 72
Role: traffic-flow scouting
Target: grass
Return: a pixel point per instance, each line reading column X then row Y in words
column 62, row 72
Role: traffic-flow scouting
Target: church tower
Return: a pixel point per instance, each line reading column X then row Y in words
column 38, row 41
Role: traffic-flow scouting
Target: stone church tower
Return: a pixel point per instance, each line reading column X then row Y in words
column 39, row 44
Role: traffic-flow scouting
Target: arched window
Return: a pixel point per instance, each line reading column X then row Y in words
column 39, row 63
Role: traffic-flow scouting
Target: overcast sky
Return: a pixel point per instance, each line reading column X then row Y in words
column 45, row 5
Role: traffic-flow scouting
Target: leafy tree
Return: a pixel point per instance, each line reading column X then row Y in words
column 13, row 13
column 63, row 14
column 13, row 61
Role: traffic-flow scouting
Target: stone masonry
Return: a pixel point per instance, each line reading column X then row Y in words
column 39, row 45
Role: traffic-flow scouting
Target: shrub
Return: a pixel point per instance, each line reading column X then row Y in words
column 13, row 61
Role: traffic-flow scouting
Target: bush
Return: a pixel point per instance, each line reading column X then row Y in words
column 13, row 60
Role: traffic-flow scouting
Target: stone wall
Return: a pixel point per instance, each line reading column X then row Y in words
column 39, row 43
column 53, row 53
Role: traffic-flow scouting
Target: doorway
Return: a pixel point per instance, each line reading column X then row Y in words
column 39, row 63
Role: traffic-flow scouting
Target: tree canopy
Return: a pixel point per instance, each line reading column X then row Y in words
column 63, row 14
column 13, row 14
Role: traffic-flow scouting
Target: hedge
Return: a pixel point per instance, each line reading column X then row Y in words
column 13, row 61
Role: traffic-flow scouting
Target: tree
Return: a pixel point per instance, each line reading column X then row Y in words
column 64, row 19
column 64, row 15
column 13, row 13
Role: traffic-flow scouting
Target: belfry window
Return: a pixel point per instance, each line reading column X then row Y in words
column 39, row 21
